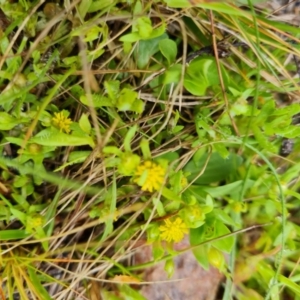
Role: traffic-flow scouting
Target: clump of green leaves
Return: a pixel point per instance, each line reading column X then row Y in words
column 106, row 135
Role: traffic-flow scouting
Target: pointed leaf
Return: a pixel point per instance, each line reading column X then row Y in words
column 53, row 137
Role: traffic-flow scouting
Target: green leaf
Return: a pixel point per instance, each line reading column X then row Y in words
column 268, row 273
column 129, row 293
column 18, row 214
column 95, row 53
column 13, row 234
column 130, row 37
column 172, row 75
column 138, row 8
column 195, row 84
column 200, row 252
column 83, row 8
column 178, row 3
column 159, row 207
column 85, row 124
column 227, row 189
column 8, row 122
column 144, row 27
column 93, row 33
column 128, row 138
column 209, row 70
column 100, row 5
column 216, row 170
column 145, row 49
column 70, row 60
column 170, row 195
column 205, row 68
column 53, row 137
column 128, row 163
column 287, row 111
column 127, row 101
column 112, row 88
column 75, row 157
column 223, row 8
column 224, row 217
column 168, row 156
column 111, row 202
column 97, row 101
column 50, row 214
column 224, row 244
column 263, row 140
column 157, row 251
column 36, row 284
column 157, row 32
column 168, row 48
column 169, row 267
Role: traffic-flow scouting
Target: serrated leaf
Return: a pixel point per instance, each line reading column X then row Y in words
column 53, row 137
column 97, row 101
column 262, row 139
column 112, row 88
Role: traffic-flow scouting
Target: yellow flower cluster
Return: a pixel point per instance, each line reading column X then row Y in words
column 61, row 122
column 150, row 176
column 173, row 231
column 36, row 222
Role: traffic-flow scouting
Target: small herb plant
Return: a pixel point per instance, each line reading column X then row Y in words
column 117, row 129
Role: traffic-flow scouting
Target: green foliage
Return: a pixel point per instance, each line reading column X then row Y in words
column 109, row 138
column 213, row 167
column 201, row 74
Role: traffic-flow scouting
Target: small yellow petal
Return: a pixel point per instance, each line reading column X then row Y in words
column 61, row 122
column 173, row 231
column 150, row 176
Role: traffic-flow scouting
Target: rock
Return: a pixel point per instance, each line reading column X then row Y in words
column 189, row 282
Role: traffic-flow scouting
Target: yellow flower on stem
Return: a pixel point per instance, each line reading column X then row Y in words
column 150, row 176
column 61, row 122
column 173, row 231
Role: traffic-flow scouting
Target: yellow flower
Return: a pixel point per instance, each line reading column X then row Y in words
column 150, row 176
column 36, row 222
column 173, row 231
column 62, row 122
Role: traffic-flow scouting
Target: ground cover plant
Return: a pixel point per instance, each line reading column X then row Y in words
column 133, row 123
